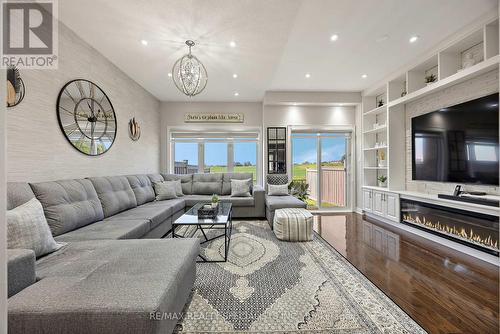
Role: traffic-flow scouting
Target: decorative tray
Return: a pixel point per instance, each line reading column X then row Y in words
column 207, row 211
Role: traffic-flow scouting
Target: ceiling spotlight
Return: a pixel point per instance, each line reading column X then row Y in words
column 413, row 39
column 232, row 44
column 364, row 76
column 144, row 42
column 236, row 94
column 307, row 75
column 334, row 37
column 169, row 74
column 235, row 75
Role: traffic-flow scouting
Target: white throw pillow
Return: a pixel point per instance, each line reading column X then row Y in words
column 240, row 188
column 277, row 189
column 27, row 228
column 178, row 188
column 165, row 190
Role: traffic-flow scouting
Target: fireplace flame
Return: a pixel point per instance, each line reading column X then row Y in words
column 461, row 232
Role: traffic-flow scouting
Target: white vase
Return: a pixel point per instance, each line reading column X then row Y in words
column 214, row 205
column 382, row 163
column 381, row 184
column 468, row 60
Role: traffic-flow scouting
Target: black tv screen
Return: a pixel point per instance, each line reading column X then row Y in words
column 458, row 144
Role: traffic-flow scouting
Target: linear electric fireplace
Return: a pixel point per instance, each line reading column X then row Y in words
column 476, row 230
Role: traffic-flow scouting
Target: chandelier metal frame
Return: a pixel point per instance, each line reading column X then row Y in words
column 189, row 74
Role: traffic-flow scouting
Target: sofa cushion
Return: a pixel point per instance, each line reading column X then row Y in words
column 176, row 204
column 277, row 189
column 20, row 269
column 241, row 188
column 186, row 181
column 165, row 190
column 194, row 199
column 18, row 193
column 142, row 187
column 112, row 230
column 227, row 177
column 107, row 286
column 280, row 202
column 207, row 184
column 238, row 201
column 68, row 204
column 155, row 178
column 115, row 194
column 27, row 228
column 151, row 211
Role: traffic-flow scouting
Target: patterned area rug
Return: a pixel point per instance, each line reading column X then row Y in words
column 271, row 286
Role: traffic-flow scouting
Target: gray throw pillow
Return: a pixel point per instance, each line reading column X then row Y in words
column 178, row 188
column 27, row 228
column 240, row 188
column 277, row 189
column 165, row 190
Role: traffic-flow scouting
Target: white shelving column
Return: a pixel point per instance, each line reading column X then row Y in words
column 375, row 136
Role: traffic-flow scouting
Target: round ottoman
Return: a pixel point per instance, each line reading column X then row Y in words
column 293, row 224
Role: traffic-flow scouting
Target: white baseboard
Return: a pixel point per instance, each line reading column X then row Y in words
column 442, row 241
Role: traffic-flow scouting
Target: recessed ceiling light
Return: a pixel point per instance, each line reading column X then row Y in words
column 307, row 75
column 232, row 44
column 413, row 39
column 236, row 94
column 334, row 37
column 364, row 76
column 170, row 74
column 235, row 75
column 144, row 42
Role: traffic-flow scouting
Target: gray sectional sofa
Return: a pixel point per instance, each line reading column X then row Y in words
column 98, row 282
column 107, row 278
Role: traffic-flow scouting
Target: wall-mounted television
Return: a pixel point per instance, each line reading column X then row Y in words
column 457, row 144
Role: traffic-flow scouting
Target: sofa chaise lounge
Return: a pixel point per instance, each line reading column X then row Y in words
column 107, row 279
column 98, row 283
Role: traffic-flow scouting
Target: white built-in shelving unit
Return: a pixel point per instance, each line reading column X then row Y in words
column 384, row 134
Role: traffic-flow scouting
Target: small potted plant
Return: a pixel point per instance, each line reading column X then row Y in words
column 381, row 180
column 431, row 78
column 215, row 200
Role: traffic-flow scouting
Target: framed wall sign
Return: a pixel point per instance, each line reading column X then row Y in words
column 214, row 118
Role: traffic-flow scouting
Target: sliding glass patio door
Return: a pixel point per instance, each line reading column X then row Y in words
column 322, row 160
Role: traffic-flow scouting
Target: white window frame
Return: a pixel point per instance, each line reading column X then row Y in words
column 212, row 137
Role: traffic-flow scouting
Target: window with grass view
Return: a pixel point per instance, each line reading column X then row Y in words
column 320, row 160
column 216, row 157
column 215, row 154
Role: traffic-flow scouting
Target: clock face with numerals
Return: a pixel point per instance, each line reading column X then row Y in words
column 86, row 117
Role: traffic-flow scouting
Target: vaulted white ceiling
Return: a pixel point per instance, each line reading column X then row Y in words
column 277, row 41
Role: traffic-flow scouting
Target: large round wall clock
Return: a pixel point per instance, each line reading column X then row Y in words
column 86, row 117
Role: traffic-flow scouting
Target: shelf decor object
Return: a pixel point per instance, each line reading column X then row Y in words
column 276, row 150
column 134, row 129
column 461, row 58
column 86, row 117
column 15, row 87
column 189, row 74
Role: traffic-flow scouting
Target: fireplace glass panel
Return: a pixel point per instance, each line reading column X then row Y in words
column 474, row 229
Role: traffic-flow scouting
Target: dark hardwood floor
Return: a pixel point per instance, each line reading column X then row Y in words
column 443, row 290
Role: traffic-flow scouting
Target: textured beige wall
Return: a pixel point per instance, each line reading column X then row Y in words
column 483, row 85
column 38, row 150
column 172, row 116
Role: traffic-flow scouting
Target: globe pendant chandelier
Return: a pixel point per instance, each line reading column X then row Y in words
column 189, row 74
